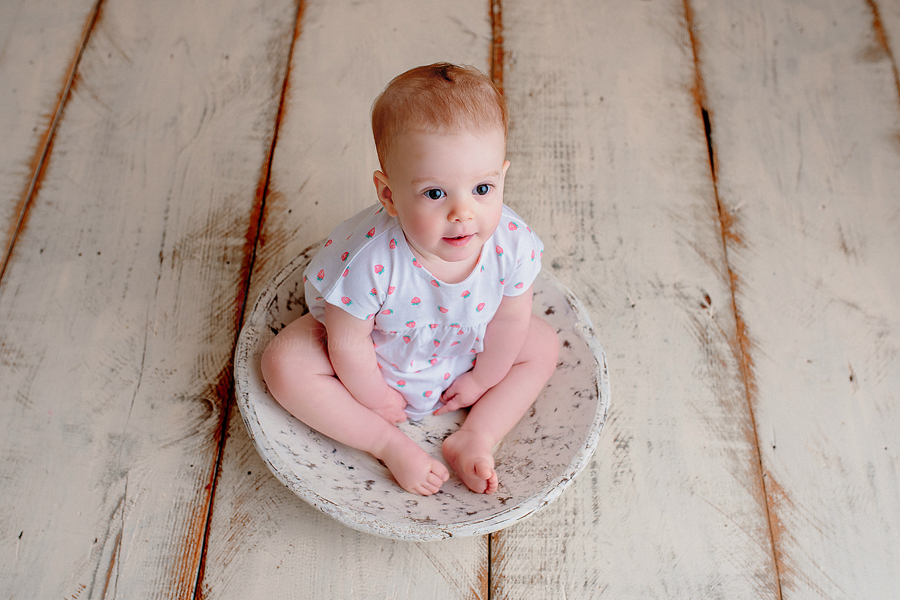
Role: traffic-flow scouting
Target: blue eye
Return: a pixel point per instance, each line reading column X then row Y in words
column 483, row 189
column 435, row 194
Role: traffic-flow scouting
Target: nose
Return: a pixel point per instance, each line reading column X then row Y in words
column 461, row 209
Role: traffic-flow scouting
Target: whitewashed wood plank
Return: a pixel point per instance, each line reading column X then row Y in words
column 344, row 55
column 805, row 115
column 610, row 165
column 886, row 26
column 265, row 542
column 119, row 308
column 40, row 42
column 322, row 170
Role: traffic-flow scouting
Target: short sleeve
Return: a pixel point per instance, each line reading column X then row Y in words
column 528, row 250
column 349, row 287
column 347, row 272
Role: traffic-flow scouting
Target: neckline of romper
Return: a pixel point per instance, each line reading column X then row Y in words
column 423, row 270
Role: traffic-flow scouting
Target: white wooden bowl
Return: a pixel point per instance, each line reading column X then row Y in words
column 534, row 463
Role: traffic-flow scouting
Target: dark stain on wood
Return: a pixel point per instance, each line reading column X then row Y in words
column 484, row 572
column 777, row 499
column 113, row 562
column 881, row 40
column 498, row 54
column 194, row 566
column 37, row 164
column 252, row 235
column 496, row 556
column 741, row 344
column 224, row 389
column 111, row 539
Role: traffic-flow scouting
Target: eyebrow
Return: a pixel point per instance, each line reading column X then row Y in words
column 421, row 180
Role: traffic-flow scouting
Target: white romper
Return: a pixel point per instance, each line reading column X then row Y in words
column 426, row 332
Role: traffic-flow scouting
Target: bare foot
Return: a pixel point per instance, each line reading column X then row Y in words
column 412, row 467
column 469, row 454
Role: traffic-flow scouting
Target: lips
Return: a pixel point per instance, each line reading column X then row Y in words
column 459, row 240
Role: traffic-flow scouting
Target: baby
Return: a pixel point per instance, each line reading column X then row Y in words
column 421, row 304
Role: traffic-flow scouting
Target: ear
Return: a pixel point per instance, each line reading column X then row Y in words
column 503, row 173
column 383, row 189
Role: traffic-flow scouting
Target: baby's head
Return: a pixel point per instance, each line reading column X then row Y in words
column 438, row 98
column 440, row 131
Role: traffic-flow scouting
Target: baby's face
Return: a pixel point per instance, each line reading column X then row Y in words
column 447, row 191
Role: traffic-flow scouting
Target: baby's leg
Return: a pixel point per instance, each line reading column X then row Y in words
column 299, row 375
column 469, row 450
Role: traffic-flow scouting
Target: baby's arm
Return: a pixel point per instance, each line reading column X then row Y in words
column 503, row 341
column 352, row 355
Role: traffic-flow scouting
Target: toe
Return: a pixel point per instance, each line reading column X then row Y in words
column 433, row 485
column 424, row 489
column 483, row 469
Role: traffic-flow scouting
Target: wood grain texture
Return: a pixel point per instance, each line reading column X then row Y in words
column 119, row 308
column 806, row 115
column 266, row 542
column 610, row 166
column 886, row 29
column 322, row 168
column 344, row 55
column 889, row 15
column 751, row 449
column 40, row 43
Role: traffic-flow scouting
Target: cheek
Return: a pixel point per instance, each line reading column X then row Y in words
column 421, row 224
column 492, row 218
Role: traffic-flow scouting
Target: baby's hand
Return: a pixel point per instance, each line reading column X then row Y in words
column 463, row 392
column 390, row 408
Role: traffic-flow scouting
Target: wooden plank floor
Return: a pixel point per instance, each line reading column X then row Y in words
column 717, row 180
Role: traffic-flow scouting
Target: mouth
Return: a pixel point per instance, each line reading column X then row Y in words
column 460, row 240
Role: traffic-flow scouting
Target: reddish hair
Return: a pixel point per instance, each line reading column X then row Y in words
column 436, row 98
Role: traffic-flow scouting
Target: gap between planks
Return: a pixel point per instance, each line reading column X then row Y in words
column 250, row 247
column 497, row 62
column 45, row 143
column 882, row 40
column 741, row 344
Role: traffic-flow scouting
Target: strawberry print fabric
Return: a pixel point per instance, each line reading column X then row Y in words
column 426, row 332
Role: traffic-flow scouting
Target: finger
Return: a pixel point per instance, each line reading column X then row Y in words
column 454, row 404
column 447, row 407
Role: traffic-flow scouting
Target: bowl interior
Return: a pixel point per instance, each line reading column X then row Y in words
column 535, row 462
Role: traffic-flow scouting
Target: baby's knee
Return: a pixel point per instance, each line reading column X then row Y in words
column 292, row 356
column 546, row 341
column 274, row 363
